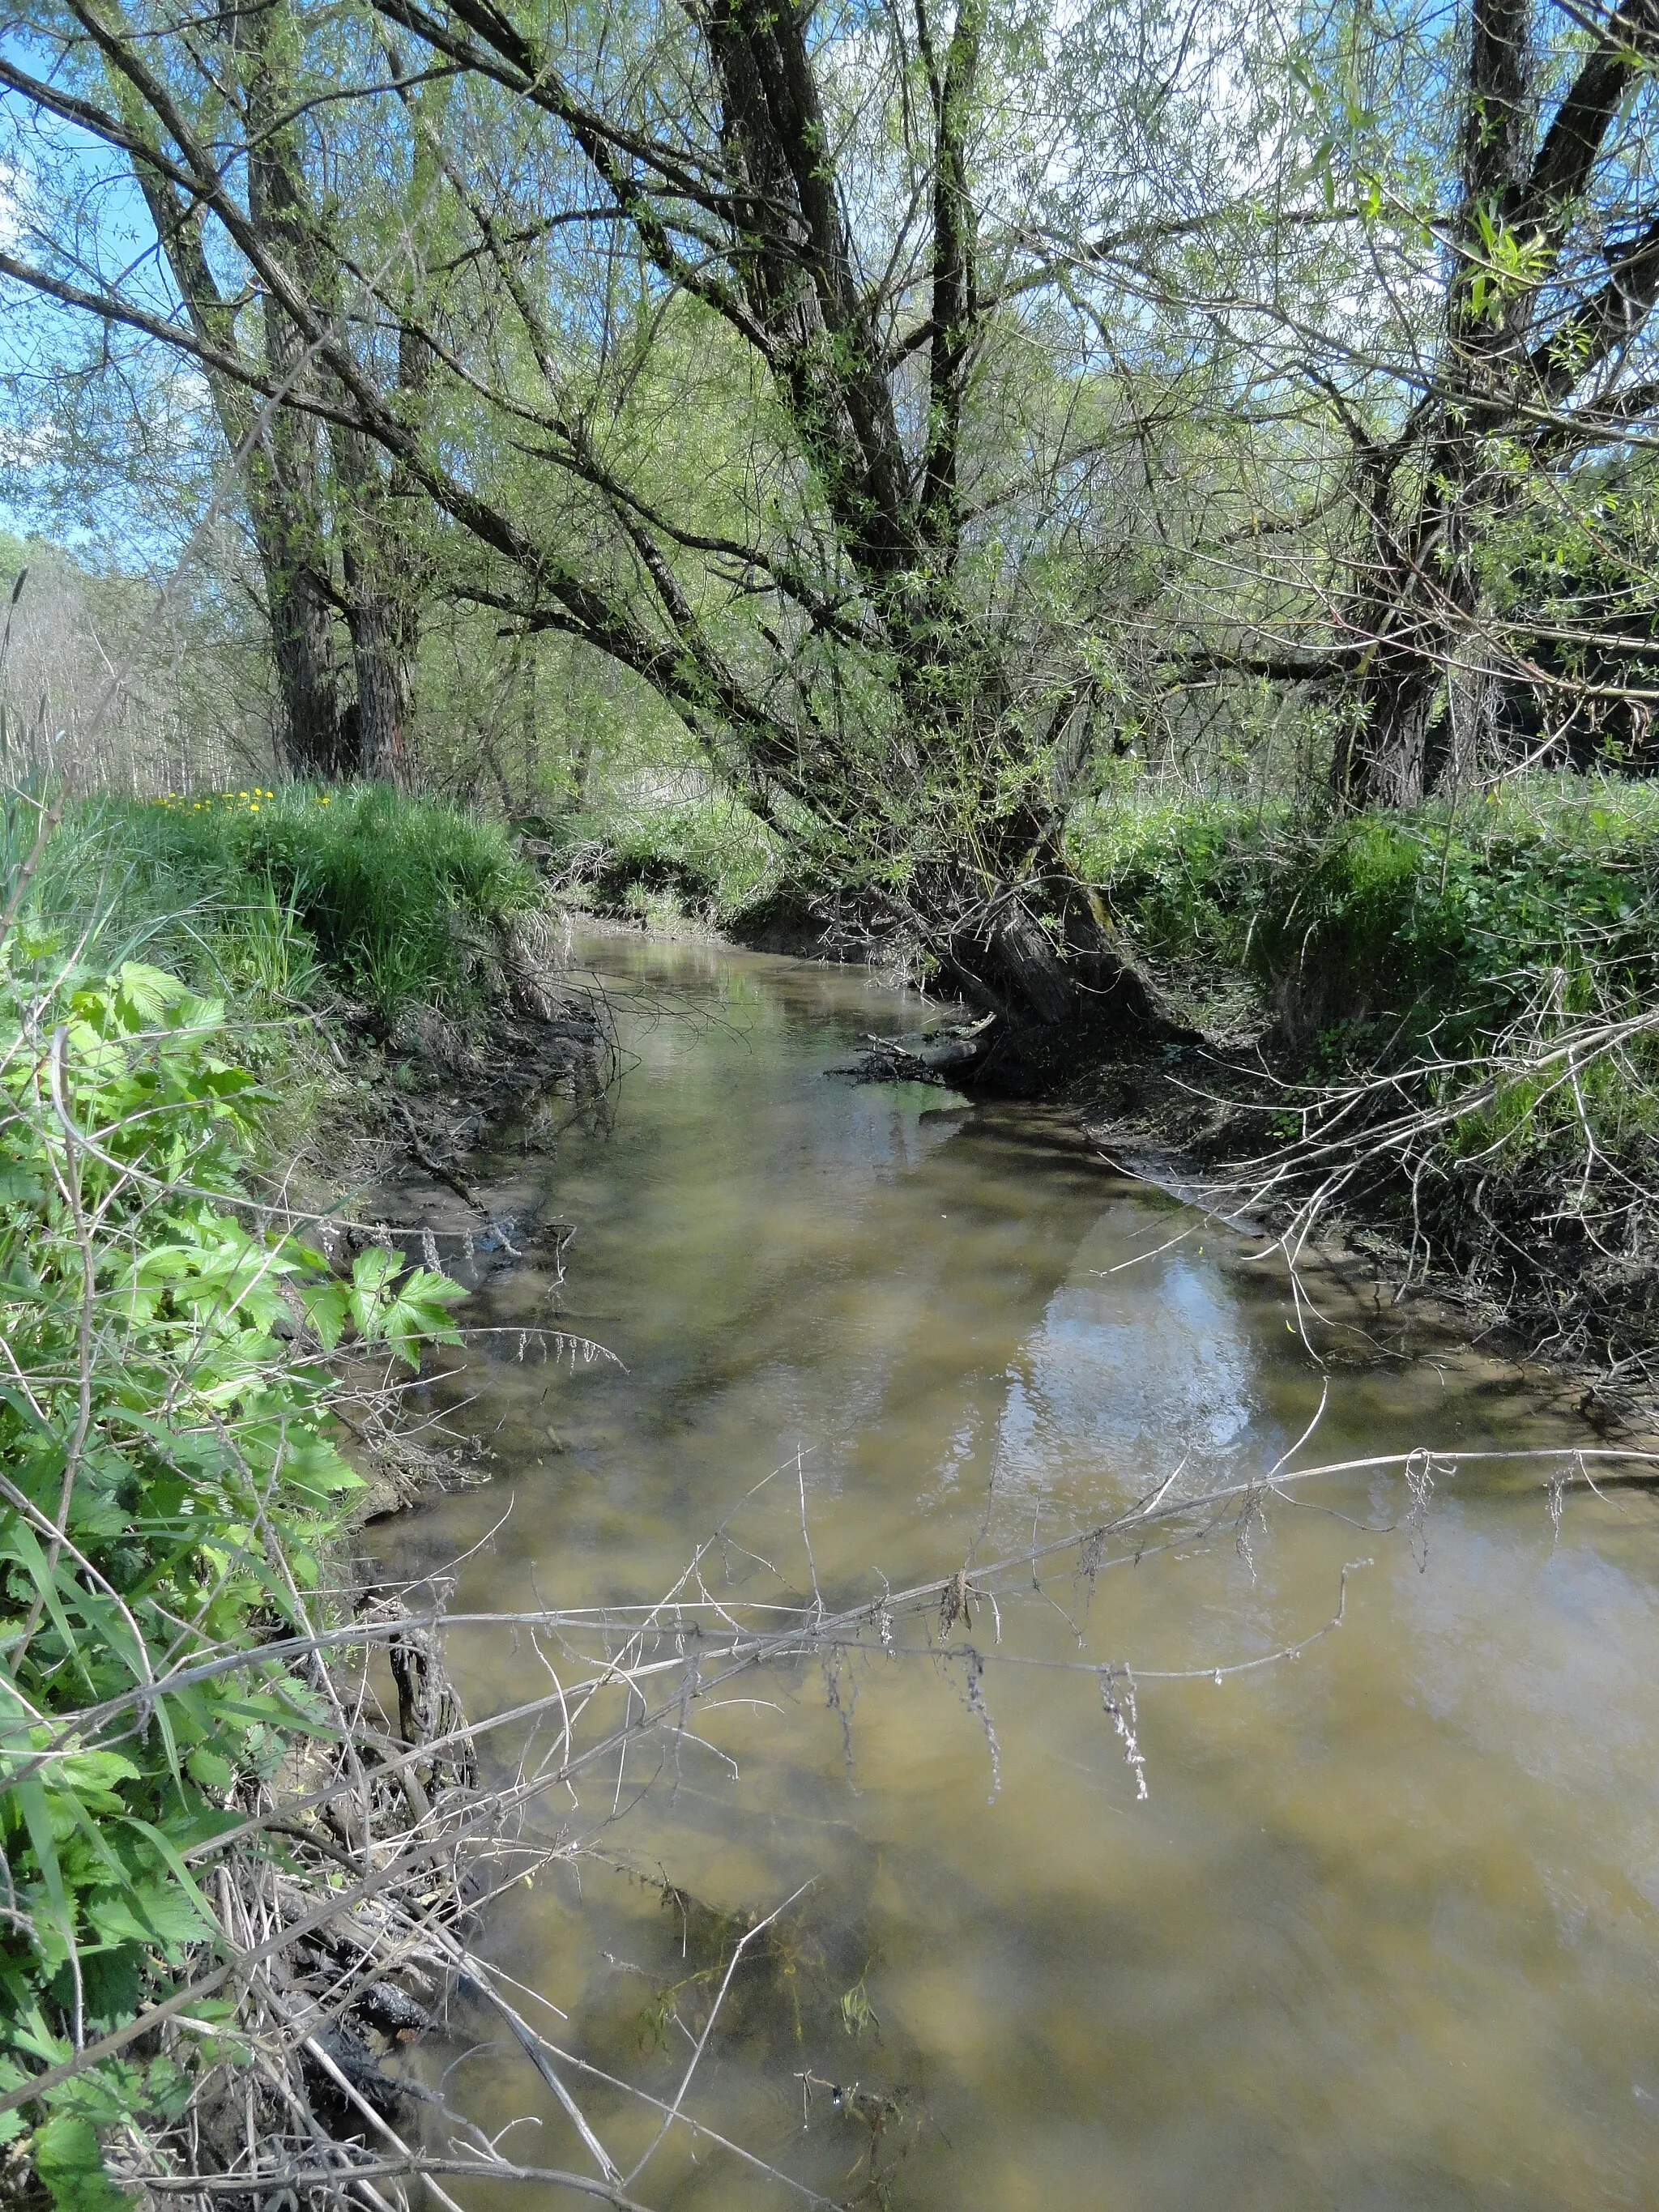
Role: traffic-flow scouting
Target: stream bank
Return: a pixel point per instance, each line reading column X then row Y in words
column 210, row 1713
column 1429, row 1033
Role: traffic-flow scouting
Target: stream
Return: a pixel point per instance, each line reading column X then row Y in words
column 1383, row 1932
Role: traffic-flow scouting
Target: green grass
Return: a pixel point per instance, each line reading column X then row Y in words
column 705, row 857
column 1388, row 935
column 1438, row 964
column 1184, row 876
column 283, row 899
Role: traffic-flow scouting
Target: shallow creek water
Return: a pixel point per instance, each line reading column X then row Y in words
column 1385, row 1931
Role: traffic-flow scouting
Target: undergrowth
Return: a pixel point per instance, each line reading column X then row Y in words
column 1461, row 1007
column 1381, row 937
column 701, row 858
column 171, row 1483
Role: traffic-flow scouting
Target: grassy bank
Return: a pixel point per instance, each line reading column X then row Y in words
column 1461, row 1008
column 172, row 1414
column 684, row 857
column 1370, row 937
column 295, row 896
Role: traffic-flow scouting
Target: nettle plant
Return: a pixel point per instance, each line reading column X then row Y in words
column 169, row 1485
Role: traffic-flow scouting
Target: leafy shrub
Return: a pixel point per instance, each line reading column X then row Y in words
column 1389, row 934
column 708, row 855
column 1543, row 906
column 170, row 1483
column 1184, row 876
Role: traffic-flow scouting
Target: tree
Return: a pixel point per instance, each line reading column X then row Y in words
column 864, row 564
column 1443, row 362
column 321, row 503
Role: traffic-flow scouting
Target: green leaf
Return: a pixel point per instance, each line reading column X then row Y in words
column 31, row 1796
column 202, row 1922
column 151, row 991
column 68, row 2161
column 210, row 1768
column 326, row 1310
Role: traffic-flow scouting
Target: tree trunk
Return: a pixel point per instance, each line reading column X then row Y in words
column 379, row 606
column 312, row 728
column 280, row 491
column 321, row 740
column 383, row 685
column 1382, row 759
column 1016, row 933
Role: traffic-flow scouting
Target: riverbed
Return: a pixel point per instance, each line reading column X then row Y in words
column 1383, row 1931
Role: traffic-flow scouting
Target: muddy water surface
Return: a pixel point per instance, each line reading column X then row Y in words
column 1384, row 1932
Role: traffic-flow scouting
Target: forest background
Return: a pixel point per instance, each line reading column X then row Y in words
column 1135, row 512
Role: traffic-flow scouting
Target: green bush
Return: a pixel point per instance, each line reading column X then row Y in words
column 1183, row 876
column 708, row 856
column 1393, row 935
column 170, row 1482
column 1445, row 930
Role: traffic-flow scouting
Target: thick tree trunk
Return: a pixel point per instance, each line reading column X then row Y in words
column 1016, row 933
column 323, row 739
column 1049, row 967
column 1382, row 758
column 1046, row 958
column 1464, row 750
column 283, row 498
column 1418, row 615
column 379, row 607
column 281, row 490
column 313, row 732
column 381, row 658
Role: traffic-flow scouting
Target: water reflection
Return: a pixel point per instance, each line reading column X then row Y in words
column 1383, row 1934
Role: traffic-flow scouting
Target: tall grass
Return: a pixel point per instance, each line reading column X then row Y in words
column 286, row 897
column 1372, row 935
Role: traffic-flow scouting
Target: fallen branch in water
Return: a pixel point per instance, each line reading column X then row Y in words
column 423, row 1157
column 922, row 1056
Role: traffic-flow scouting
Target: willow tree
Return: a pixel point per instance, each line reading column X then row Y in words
column 874, row 592
column 210, row 114
column 1455, row 363
column 754, row 370
column 1551, row 271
